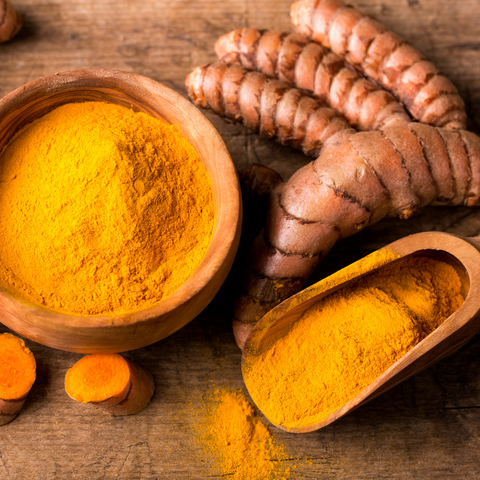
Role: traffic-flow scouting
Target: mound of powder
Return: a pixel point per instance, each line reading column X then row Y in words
column 102, row 210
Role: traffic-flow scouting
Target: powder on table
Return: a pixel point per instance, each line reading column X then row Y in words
column 102, row 210
column 240, row 445
column 345, row 341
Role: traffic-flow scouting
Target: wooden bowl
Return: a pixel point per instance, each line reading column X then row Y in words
column 122, row 332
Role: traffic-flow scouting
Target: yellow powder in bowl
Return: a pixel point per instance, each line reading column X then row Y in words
column 102, row 210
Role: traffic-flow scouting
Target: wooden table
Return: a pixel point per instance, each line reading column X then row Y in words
column 426, row 428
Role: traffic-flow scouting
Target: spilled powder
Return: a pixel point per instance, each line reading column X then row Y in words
column 239, row 444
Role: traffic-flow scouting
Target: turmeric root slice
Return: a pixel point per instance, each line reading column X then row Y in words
column 304, row 64
column 111, row 383
column 384, row 57
column 17, row 375
column 10, row 21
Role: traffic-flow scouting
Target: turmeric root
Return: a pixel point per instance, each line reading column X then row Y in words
column 111, row 383
column 258, row 182
column 304, row 64
column 17, row 375
column 358, row 179
column 10, row 21
column 355, row 182
column 384, row 57
column 265, row 105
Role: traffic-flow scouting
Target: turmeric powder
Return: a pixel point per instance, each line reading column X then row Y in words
column 240, row 444
column 103, row 210
column 345, row 341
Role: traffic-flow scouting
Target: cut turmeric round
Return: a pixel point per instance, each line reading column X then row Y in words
column 111, row 382
column 96, row 378
column 17, row 375
column 17, row 368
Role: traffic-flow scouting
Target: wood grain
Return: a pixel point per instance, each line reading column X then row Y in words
column 428, row 427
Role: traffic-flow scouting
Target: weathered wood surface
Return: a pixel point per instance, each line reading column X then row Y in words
column 428, row 427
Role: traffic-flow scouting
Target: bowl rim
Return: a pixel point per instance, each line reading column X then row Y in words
column 227, row 227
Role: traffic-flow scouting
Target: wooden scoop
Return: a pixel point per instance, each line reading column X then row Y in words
column 462, row 253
